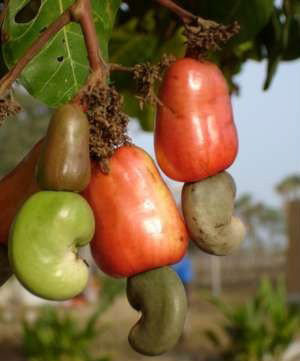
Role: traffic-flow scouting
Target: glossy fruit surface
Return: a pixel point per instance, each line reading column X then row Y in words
column 65, row 162
column 195, row 136
column 15, row 188
column 138, row 226
column 43, row 243
column 160, row 296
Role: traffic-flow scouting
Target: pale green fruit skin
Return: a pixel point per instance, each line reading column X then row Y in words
column 208, row 207
column 43, row 242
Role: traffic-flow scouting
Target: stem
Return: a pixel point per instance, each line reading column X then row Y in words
column 3, row 12
column 119, row 67
column 82, row 13
column 33, row 50
column 185, row 15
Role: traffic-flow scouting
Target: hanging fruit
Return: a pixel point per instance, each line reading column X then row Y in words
column 138, row 226
column 65, row 161
column 207, row 207
column 15, row 188
column 195, row 135
column 5, row 269
column 43, row 244
column 160, row 296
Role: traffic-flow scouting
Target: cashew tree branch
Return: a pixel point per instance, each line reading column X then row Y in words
column 80, row 12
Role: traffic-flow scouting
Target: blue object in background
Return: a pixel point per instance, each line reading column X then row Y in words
column 184, row 270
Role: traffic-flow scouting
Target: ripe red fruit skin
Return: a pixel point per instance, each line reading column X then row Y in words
column 195, row 135
column 15, row 188
column 138, row 226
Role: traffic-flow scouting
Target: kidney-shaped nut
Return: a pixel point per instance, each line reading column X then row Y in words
column 207, row 207
column 160, row 296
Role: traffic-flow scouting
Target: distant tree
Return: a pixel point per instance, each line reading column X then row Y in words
column 289, row 190
column 265, row 224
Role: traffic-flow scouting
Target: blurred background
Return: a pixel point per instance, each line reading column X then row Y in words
column 242, row 307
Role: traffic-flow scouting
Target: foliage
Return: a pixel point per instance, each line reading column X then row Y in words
column 264, row 223
column 61, row 68
column 59, row 337
column 289, row 187
column 263, row 326
column 270, row 30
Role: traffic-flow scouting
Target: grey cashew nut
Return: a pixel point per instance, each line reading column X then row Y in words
column 160, row 296
column 208, row 207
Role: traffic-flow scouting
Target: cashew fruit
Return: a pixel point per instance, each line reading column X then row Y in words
column 195, row 134
column 138, row 226
column 15, row 188
column 65, row 163
column 160, row 296
column 5, row 269
column 43, row 244
column 207, row 207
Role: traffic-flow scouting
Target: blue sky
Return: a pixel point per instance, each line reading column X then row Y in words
column 269, row 130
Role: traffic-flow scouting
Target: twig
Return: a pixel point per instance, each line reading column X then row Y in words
column 122, row 68
column 202, row 35
column 4, row 11
column 80, row 11
column 186, row 16
column 6, row 82
column 182, row 13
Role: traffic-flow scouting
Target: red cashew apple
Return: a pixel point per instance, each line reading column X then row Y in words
column 195, row 136
column 15, row 188
column 138, row 226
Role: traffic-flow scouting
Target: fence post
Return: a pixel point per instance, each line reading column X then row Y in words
column 216, row 281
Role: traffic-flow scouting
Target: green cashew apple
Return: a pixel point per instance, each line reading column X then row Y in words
column 43, row 243
column 208, row 207
column 65, row 162
column 5, row 269
column 160, row 296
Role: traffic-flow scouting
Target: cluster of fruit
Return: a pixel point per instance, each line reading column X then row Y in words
column 58, row 200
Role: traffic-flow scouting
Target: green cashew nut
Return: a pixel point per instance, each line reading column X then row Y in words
column 43, row 244
column 5, row 270
column 160, row 296
column 207, row 207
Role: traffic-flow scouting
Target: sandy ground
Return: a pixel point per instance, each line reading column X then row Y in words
column 115, row 324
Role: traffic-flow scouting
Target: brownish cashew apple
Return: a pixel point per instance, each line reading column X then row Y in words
column 207, row 207
column 5, row 270
column 160, row 296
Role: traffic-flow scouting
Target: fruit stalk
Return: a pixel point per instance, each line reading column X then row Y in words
column 185, row 15
column 82, row 13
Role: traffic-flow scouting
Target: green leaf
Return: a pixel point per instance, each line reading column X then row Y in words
column 61, row 68
column 128, row 46
column 292, row 31
column 272, row 37
column 252, row 15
